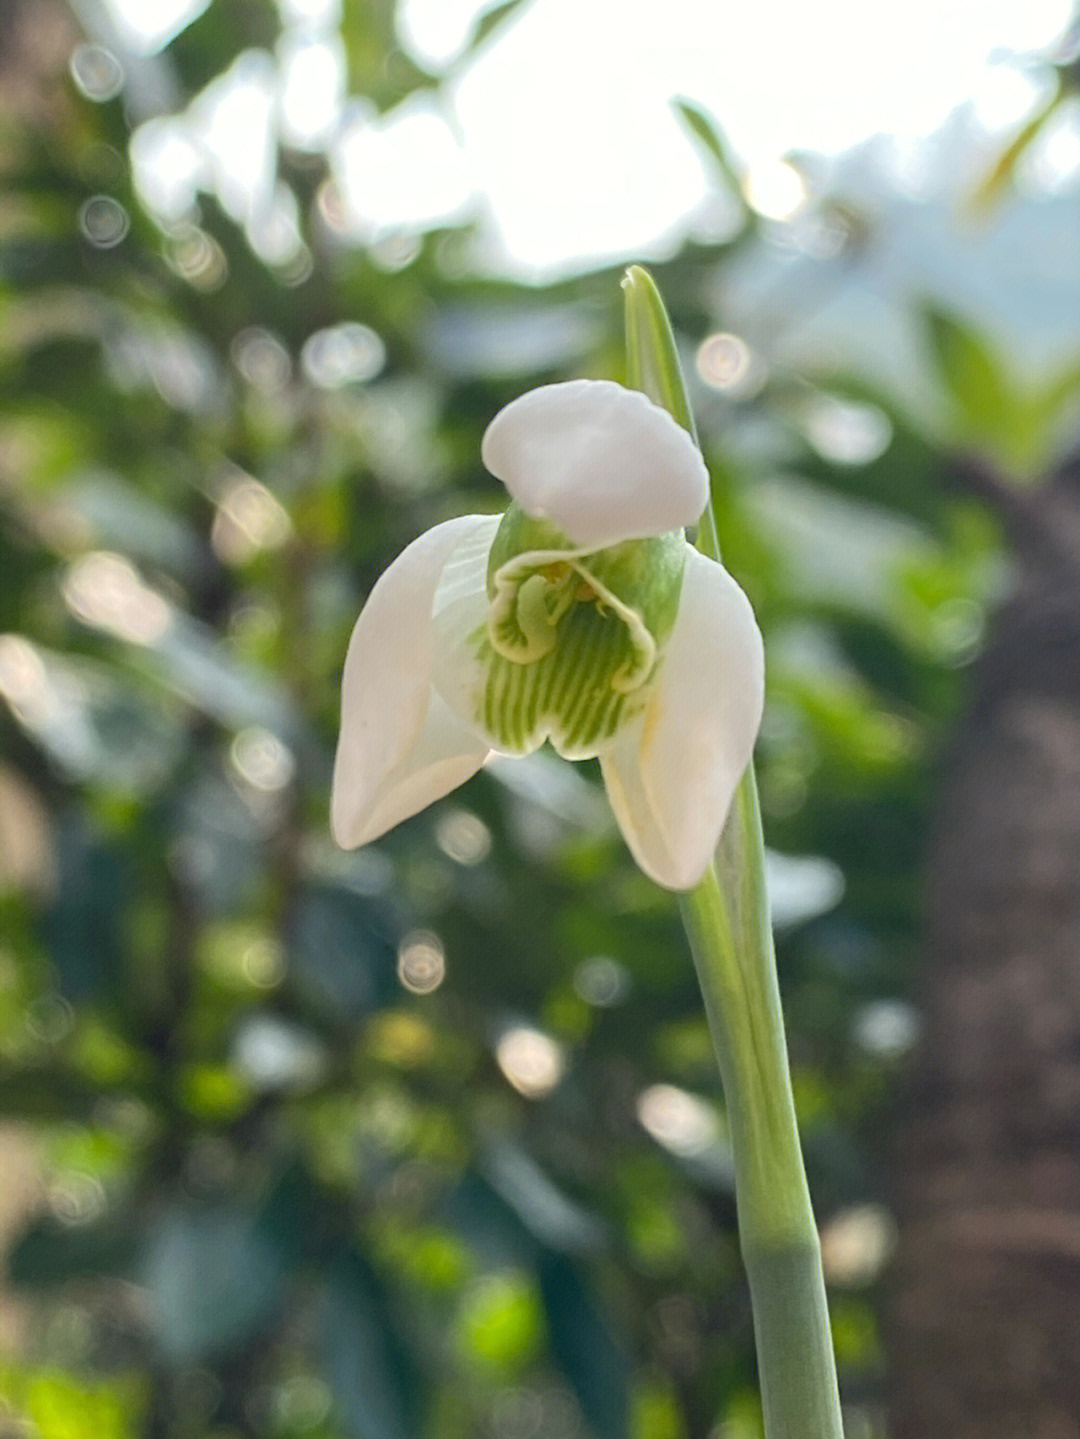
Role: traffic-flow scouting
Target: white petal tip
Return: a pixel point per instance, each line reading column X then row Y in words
column 673, row 777
column 400, row 747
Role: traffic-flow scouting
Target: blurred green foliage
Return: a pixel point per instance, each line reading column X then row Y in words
column 425, row 1140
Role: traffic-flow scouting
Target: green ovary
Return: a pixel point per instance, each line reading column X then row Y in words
column 573, row 638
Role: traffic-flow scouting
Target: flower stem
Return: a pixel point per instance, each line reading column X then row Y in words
column 727, row 922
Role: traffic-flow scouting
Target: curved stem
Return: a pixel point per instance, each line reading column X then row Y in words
column 727, row 922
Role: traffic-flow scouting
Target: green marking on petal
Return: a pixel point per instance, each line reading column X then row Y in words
column 531, row 594
column 643, row 646
column 573, row 637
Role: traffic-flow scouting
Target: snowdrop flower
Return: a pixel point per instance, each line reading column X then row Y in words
column 582, row 616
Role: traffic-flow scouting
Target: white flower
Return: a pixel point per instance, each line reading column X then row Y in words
column 582, row 617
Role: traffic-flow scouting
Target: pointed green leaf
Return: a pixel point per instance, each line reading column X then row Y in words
column 372, row 1375
column 490, row 21
column 704, row 128
column 1003, row 171
column 585, row 1348
column 652, row 366
column 981, row 396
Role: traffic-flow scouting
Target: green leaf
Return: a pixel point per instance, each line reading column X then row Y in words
column 377, row 67
column 491, row 1226
column 343, row 963
column 652, row 358
column 490, row 21
column 376, row 1388
column 82, row 926
column 118, row 516
column 546, row 1212
column 49, row 1253
column 1002, row 172
column 214, row 1278
column 212, row 39
column 501, row 1324
column 992, row 410
column 978, row 388
column 585, row 1348
column 1043, row 422
column 54, row 1404
column 704, row 128
column 652, row 366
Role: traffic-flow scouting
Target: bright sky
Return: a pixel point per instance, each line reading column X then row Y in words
column 561, row 130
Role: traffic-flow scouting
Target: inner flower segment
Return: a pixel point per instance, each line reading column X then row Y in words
column 572, row 638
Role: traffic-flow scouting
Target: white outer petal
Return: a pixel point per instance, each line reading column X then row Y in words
column 601, row 462
column 672, row 775
column 400, row 748
column 459, row 609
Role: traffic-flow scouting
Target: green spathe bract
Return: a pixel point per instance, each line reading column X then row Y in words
column 726, row 916
column 572, row 636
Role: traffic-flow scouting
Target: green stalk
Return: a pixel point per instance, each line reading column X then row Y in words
column 727, row 922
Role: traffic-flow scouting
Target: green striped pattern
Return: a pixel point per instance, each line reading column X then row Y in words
column 527, row 608
column 571, row 695
column 572, row 636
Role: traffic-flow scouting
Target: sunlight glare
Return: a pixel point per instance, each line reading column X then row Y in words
column 856, row 1244
column 247, row 521
column 106, row 591
column 436, row 31
column 103, row 221
column 24, row 681
column 887, row 1028
column 273, row 230
column 583, row 160
column 262, row 760
column 532, row 1061
column 775, row 189
column 315, row 13
column 1055, row 157
column 726, row 362
column 232, row 121
column 681, row 1122
column 576, row 158
column 146, row 25
column 463, row 837
column 273, row 1053
column 197, row 257
column 562, row 120
column 421, row 965
column 404, row 169
column 168, row 166
column 847, row 432
column 340, row 355
column 96, row 71
column 313, row 86
column 262, row 360
column 1005, row 96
